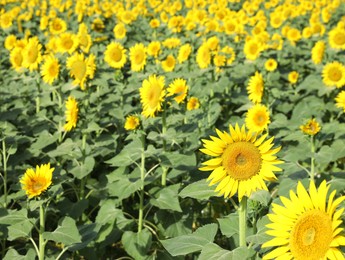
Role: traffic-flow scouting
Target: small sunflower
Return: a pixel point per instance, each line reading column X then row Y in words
column 179, row 89
column 203, row 57
column 271, row 65
column 71, row 113
column 257, row 118
column 137, row 55
column 34, row 183
column 340, row 100
column 336, row 38
column 317, row 52
column 193, row 103
column 252, row 49
column 67, row 42
column 16, row 58
column 132, row 122
column 154, row 48
column 152, row 95
column 242, row 161
column 120, row 31
column 312, row 127
column 184, row 52
column 333, row 74
column 255, row 88
column 84, row 38
column 115, row 55
column 50, row 69
column 306, row 226
column 293, row 77
column 32, row 54
column 57, row 26
column 10, row 42
column 168, row 64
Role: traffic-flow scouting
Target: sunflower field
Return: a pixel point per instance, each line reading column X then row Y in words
column 184, row 129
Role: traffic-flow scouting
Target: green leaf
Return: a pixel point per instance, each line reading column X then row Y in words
column 21, row 229
column 66, row 148
column 262, row 196
column 66, row 233
column 260, row 237
column 198, row 190
column 82, row 170
column 13, row 216
column 178, row 161
column 212, row 251
column 137, row 244
column 124, row 188
column 12, row 254
column 88, row 234
column 167, row 198
column 128, row 155
column 229, row 225
column 174, row 224
column 186, row 244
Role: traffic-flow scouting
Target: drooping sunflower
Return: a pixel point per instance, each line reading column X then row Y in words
column 84, row 38
column 257, row 118
column 178, row 88
column 132, row 122
column 32, row 54
column 336, row 38
column 168, row 64
column 306, row 226
column 137, row 54
column 243, row 161
column 152, row 94
column 340, row 100
column 81, row 68
column 317, row 52
column 333, row 74
column 115, row 55
column 203, row 57
column 71, row 113
column 50, row 69
column 255, row 88
column 34, row 183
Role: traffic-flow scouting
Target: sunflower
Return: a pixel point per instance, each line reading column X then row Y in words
column 115, row 55
column 6, row 20
column 154, row 48
column 57, row 26
column 271, row 65
column 311, row 127
column 119, row 31
column 178, row 88
column 336, row 38
column 306, row 226
column 50, row 69
column 67, row 42
column 203, row 57
column 137, row 54
column 32, row 54
column 243, row 161
column 318, row 51
column 152, row 95
column 81, row 68
column 252, row 49
column 293, row 77
column 184, row 52
column 257, row 118
column 333, row 74
column 84, row 38
column 171, row 43
column 34, row 183
column 71, row 114
column 340, row 100
column 10, row 42
column 255, row 88
column 193, row 103
column 169, row 63
column 132, row 122
column 16, row 58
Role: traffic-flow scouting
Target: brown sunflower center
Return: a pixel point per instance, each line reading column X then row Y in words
column 37, row 186
column 242, row 160
column 311, row 235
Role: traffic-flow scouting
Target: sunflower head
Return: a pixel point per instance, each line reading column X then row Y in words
column 293, row 77
column 333, row 74
column 203, row 57
column 184, row 52
column 50, row 69
column 115, row 55
column 340, row 100
column 34, row 183
column 71, row 114
column 132, row 122
column 271, row 65
column 257, row 118
column 137, row 55
column 169, row 63
column 193, row 103
column 311, row 127
column 306, row 225
column 178, row 88
column 243, row 161
column 256, row 88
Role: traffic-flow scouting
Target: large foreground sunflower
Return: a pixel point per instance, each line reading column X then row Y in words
column 243, row 161
column 36, row 182
column 306, row 226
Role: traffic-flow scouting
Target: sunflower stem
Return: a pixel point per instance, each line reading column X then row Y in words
column 41, row 245
column 242, row 213
column 38, row 101
column 142, row 177
column 4, row 160
column 164, row 130
column 312, row 160
column 83, row 180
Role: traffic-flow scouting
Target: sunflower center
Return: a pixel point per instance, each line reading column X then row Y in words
column 139, row 57
column 37, row 186
column 32, row 55
column 53, row 69
column 242, row 160
column 339, row 38
column 153, row 97
column 311, row 235
column 335, row 74
column 79, row 69
column 116, row 55
column 67, row 43
column 57, row 26
column 253, row 49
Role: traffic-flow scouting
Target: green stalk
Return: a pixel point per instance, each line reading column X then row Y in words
column 142, row 177
column 4, row 159
column 83, row 180
column 312, row 161
column 41, row 241
column 38, row 101
column 164, row 130
column 242, row 213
